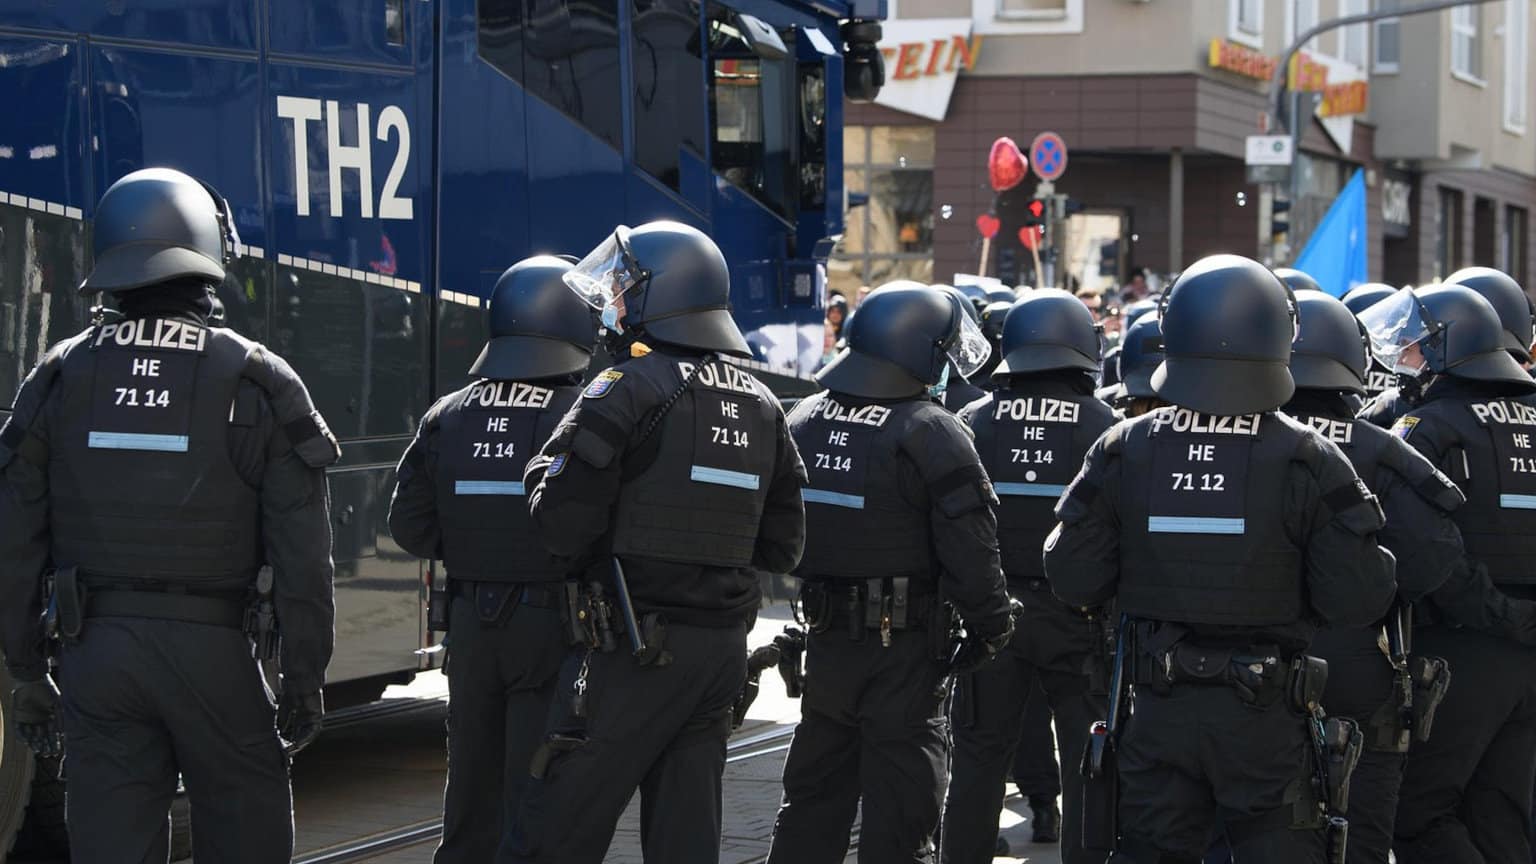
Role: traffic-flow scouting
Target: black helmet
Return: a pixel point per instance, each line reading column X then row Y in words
column 1049, row 329
column 155, row 225
column 1298, row 280
column 1227, row 329
column 1457, row 331
column 903, row 339
column 1133, row 311
column 671, row 281
column 1331, row 346
column 1141, row 352
column 1364, row 296
column 1509, row 300
column 962, row 301
column 1001, row 295
column 992, row 319
column 539, row 328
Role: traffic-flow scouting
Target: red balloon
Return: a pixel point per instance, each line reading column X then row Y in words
column 988, row 225
column 1031, row 236
column 1006, row 166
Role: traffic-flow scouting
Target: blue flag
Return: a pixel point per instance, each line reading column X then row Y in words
column 1335, row 254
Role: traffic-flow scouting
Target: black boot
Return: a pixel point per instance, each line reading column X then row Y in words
column 1045, row 819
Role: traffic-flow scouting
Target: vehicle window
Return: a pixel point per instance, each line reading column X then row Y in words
column 41, row 266
column 754, row 120
column 566, row 52
column 668, row 60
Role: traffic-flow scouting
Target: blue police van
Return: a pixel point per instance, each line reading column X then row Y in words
column 385, row 160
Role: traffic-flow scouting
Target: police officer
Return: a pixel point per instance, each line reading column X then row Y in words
column 1140, row 355
column 1224, row 530
column 1297, row 280
column 992, row 319
column 1032, row 434
column 1133, row 312
column 900, row 524
column 1466, row 793
column 1378, row 378
column 1364, row 683
column 459, row 497
column 155, row 465
column 954, row 389
column 671, row 482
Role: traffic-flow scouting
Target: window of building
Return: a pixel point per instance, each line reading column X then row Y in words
column 1246, row 22
column 1517, row 75
column 1517, row 236
column 1301, row 16
column 1448, row 248
column 565, row 53
column 1466, row 52
column 1353, row 39
column 669, row 66
column 1048, row 10
column 1389, row 37
column 891, row 237
column 1027, row 16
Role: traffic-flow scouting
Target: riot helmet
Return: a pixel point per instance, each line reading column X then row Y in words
column 1133, row 311
column 903, row 340
column 539, row 328
column 1049, row 329
column 156, row 225
column 1297, row 280
column 992, row 319
column 962, row 301
column 1331, row 346
column 1001, row 295
column 1227, row 326
column 1364, row 296
column 663, row 279
column 1456, row 329
column 1141, row 352
column 976, row 293
column 1508, row 299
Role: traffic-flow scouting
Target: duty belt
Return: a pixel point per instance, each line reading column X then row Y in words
column 541, row 595
column 885, row 604
column 1258, row 673
column 115, row 598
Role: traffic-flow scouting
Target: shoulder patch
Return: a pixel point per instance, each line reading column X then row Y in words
column 557, row 465
column 1404, row 427
column 602, row 384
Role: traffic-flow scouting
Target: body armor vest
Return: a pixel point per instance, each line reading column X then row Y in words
column 1493, row 460
column 142, row 485
column 1032, row 446
column 487, row 433
column 1364, row 444
column 858, row 523
column 700, row 499
column 1203, row 537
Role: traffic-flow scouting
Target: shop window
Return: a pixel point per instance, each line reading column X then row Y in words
column 1466, row 52
column 1246, row 22
column 1389, row 36
column 669, row 78
column 565, row 53
column 891, row 235
column 1517, row 74
column 1448, row 247
column 1517, row 237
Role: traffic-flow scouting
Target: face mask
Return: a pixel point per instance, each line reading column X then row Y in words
column 1403, row 370
column 937, row 390
column 610, row 319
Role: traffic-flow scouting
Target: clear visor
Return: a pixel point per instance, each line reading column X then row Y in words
column 606, row 272
column 970, row 349
column 1394, row 324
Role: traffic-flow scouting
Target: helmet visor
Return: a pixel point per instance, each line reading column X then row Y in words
column 606, row 272
column 970, row 349
column 1394, row 324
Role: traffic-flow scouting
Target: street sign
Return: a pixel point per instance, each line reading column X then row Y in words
column 1280, row 174
column 1048, row 156
column 1268, row 150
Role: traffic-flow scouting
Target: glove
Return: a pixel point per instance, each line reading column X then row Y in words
column 298, row 719
column 35, row 710
column 975, row 649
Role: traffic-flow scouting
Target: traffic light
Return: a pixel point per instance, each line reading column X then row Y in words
column 1016, row 209
column 1279, row 219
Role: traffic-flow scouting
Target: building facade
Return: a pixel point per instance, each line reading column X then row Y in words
column 1155, row 100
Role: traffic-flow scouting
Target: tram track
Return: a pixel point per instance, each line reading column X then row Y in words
column 752, row 746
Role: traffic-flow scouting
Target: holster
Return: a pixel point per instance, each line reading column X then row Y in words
column 816, row 604
column 1343, row 744
column 438, row 606
column 494, row 604
column 1308, row 679
column 1101, row 789
column 1431, row 678
column 69, row 595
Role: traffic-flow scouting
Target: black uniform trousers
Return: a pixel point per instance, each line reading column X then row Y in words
column 146, row 699
column 1049, row 647
column 659, row 729
column 1197, row 761
column 871, row 730
column 1359, row 684
column 1466, row 794
column 501, row 677
column 1035, row 769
